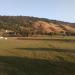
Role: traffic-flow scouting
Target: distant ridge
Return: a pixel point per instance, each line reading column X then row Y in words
column 29, row 26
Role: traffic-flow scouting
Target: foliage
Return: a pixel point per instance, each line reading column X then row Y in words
column 22, row 25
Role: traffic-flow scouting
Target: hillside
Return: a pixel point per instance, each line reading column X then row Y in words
column 30, row 26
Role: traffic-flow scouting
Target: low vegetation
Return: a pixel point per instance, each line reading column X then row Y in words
column 37, row 57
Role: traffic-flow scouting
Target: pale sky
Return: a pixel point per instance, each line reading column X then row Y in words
column 52, row 9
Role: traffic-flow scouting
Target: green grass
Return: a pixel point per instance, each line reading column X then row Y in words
column 37, row 57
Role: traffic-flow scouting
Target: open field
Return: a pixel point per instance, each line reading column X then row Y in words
column 47, row 56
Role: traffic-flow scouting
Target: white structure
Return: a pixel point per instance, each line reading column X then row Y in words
column 5, row 38
column 6, row 31
column 1, row 37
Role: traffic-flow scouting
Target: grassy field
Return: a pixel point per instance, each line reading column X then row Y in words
column 37, row 57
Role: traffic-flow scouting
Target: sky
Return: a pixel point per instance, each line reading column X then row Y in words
column 63, row 10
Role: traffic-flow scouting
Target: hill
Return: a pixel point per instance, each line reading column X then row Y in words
column 30, row 26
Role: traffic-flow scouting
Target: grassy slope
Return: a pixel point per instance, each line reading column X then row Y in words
column 37, row 57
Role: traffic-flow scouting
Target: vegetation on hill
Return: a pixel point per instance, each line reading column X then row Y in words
column 26, row 26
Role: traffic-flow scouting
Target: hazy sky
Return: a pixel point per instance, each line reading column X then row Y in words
column 53, row 9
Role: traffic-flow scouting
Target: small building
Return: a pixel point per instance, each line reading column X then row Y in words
column 9, row 33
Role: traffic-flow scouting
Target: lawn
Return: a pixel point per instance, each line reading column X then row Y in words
column 37, row 57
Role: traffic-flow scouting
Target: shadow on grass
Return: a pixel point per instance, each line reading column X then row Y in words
column 48, row 49
column 25, row 66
